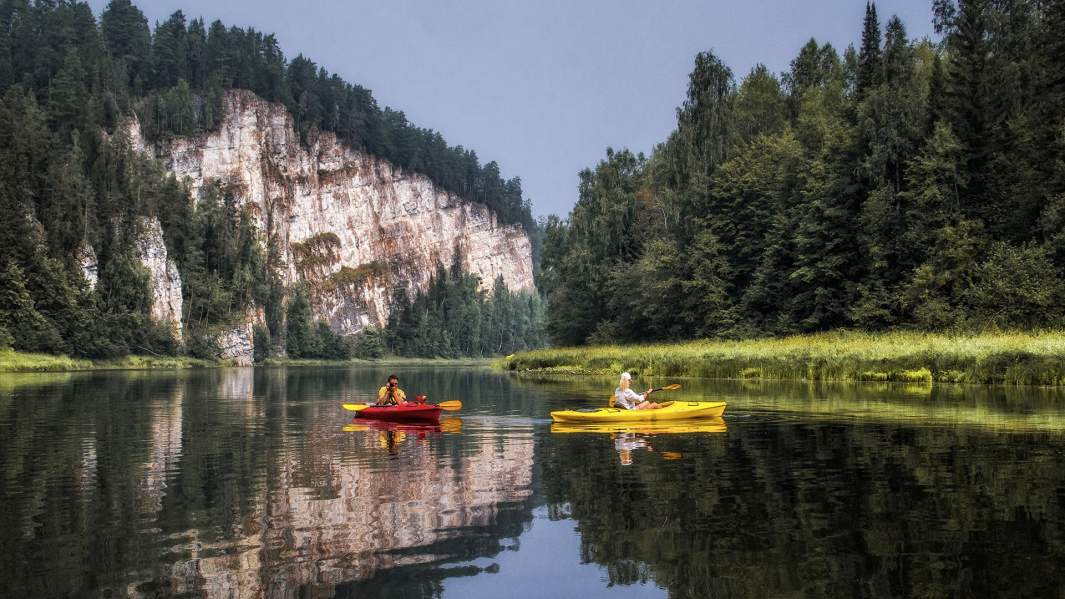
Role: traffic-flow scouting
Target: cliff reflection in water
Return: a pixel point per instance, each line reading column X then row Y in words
column 256, row 484
column 241, row 484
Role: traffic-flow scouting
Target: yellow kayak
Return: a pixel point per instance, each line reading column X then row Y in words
column 671, row 410
column 705, row 425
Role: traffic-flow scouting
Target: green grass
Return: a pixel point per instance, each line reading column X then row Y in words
column 386, row 361
column 1021, row 358
column 13, row 361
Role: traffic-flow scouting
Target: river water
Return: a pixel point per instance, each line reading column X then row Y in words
column 254, row 483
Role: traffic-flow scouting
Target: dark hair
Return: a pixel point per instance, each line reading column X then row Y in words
column 392, row 376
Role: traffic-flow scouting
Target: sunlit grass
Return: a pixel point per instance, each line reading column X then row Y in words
column 13, row 361
column 1018, row 358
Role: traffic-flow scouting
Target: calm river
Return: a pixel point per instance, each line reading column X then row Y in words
column 254, row 483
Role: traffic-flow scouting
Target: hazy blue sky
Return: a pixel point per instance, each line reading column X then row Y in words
column 545, row 86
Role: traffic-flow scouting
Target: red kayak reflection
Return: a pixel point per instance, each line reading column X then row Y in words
column 447, row 425
column 391, row 434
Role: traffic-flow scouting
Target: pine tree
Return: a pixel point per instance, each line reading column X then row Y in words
column 125, row 31
column 967, row 98
column 869, row 67
column 301, row 338
column 170, row 51
column 68, row 97
column 30, row 330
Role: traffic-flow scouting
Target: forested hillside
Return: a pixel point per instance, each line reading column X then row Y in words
column 71, row 185
column 903, row 184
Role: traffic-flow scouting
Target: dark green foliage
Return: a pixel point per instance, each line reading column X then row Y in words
column 870, row 72
column 308, row 339
column 368, row 344
column 261, row 341
column 217, row 249
column 301, row 340
column 453, row 319
column 29, row 329
column 906, row 185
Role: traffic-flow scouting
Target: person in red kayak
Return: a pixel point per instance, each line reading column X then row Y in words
column 391, row 394
column 627, row 399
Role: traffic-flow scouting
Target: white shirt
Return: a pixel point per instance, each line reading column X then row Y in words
column 627, row 399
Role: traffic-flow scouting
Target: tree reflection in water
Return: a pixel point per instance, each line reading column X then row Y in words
column 255, row 484
column 823, row 510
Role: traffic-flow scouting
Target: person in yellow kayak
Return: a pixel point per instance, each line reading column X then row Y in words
column 391, row 394
column 627, row 399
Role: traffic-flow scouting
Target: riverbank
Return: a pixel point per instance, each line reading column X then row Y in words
column 13, row 361
column 1031, row 358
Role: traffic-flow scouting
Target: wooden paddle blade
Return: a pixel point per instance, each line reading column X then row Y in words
column 672, row 387
column 453, row 404
column 354, row 407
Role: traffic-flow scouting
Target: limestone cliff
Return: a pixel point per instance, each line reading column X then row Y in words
column 165, row 282
column 350, row 224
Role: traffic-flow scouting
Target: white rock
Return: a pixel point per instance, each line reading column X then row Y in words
column 237, row 344
column 90, row 267
column 383, row 217
column 165, row 281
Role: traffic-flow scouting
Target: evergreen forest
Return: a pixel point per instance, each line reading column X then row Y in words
column 903, row 184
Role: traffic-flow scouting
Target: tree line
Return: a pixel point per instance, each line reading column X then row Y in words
column 905, row 184
column 73, row 191
column 455, row 318
column 179, row 75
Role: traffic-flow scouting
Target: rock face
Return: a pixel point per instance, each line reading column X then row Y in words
column 351, row 225
column 237, row 344
column 165, row 280
column 90, row 267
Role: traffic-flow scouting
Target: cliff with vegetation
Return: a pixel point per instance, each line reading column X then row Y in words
column 189, row 190
column 349, row 224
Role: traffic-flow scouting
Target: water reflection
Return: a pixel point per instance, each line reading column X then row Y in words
column 257, row 484
column 632, row 437
column 240, row 483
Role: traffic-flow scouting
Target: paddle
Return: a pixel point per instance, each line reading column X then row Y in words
column 672, row 387
column 450, row 406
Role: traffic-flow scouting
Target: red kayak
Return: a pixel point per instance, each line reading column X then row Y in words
column 405, row 412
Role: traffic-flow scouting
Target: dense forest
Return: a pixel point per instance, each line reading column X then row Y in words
column 904, row 184
column 71, row 185
column 453, row 319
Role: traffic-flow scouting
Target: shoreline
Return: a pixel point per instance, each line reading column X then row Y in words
column 20, row 362
column 1014, row 358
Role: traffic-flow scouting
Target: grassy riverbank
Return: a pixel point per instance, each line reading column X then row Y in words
column 1034, row 358
column 13, row 361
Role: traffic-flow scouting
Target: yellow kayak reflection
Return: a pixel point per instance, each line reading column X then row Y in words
column 708, row 425
column 629, row 437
